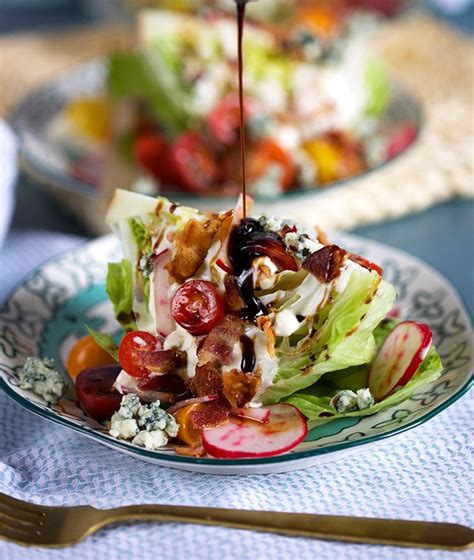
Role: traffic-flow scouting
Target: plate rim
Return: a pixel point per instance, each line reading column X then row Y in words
column 177, row 460
column 36, row 170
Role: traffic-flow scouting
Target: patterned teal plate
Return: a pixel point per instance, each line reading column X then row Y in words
column 46, row 314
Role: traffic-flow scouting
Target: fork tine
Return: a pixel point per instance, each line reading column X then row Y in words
column 13, row 526
column 15, row 533
column 19, row 517
column 18, row 506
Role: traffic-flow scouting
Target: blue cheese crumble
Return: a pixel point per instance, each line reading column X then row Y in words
column 40, row 376
column 146, row 425
column 348, row 401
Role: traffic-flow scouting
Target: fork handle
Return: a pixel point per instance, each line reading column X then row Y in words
column 396, row 532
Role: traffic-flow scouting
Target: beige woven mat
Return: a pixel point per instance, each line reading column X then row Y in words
column 435, row 62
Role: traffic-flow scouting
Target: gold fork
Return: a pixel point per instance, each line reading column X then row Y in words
column 34, row 525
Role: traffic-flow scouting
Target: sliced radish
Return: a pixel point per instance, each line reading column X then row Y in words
column 240, row 438
column 222, row 258
column 258, row 414
column 161, row 284
column 399, row 357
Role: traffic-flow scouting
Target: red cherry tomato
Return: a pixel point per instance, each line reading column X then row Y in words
column 260, row 156
column 366, row 263
column 276, row 251
column 149, row 151
column 401, row 139
column 197, row 306
column 224, row 119
column 95, row 391
column 132, row 345
column 195, row 165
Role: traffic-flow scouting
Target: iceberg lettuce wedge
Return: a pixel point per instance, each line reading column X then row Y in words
column 316, row 400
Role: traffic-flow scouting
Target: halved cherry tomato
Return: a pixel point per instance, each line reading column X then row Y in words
column 187, row 432
column 325, row 19
column 197, row 306
column 366, row 263
column 275, row 250
column 195, row 165
column 224, row 119
column 132, row 345
column 95, row 391
column 86, row 353
column 151, row 152
column 401, row 139
column 264, row 153
column 337, row 155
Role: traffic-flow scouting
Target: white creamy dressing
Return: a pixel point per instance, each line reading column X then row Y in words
column 286, row 323
column 261, row 266
column 265, row 363
column 182, row 340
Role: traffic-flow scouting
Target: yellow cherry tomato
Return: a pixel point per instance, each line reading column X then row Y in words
column 91, row 117
column 187, row 433
column 84, row 354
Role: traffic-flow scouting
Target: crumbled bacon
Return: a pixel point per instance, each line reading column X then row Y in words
column 218, row 346
column 192, row 245
column 163, row 361
column 206, row 381
column 210, row 415
column 240, row 387
column 325, row 264
column 233, row 300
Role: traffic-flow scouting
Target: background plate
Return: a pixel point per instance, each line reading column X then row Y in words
column 48, row 165
column 46, row 314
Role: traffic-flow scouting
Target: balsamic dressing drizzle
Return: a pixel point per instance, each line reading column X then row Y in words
column 247, row 364
column 241, row 4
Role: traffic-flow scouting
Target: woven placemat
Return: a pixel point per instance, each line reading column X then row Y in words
column 430, row 58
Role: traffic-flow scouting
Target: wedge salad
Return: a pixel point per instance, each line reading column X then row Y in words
column 236, row 334
column 317, row 106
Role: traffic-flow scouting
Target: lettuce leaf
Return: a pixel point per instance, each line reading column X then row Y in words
column 314, row 401
column 378, row 88
column 147, row 75
column 340, row 336
column 119, row 288
column 105, row 341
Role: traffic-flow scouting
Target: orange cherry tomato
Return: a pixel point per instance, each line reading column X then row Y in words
column 86, row 353
column 187, row 433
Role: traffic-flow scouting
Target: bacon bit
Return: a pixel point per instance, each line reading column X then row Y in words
column 210, row 415
column 325, row 264
column 369, row 265
column 192, row 243
column 219, row 343
column 240, row 387
column 163, row 361
column 189, row 451
column 233, row 300
column 169, row 382
column 287, row 229
column 264, row 324
column 206, row 381
column 321, row 236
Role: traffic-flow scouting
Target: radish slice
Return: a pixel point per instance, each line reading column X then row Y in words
column 194, row 400
column 222, row 258
column 258, row 414
column 161, row 284
column 399, row 357
column 240, row 438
